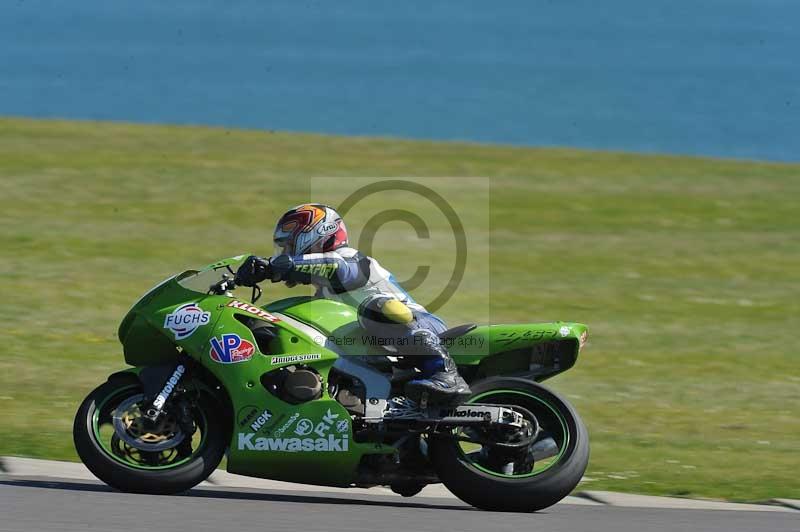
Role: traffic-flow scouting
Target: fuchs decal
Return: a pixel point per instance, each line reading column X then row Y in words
column 295, row 358
column 185, row 320
column 230, row 349
column 254, row 310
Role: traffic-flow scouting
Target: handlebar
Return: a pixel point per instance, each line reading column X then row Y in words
column 223, row 286
column 226, row 284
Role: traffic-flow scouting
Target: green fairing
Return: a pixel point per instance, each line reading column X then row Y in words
column 489, row 350
column 497, row 349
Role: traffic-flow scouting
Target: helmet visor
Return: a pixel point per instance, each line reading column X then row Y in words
column 283, row 246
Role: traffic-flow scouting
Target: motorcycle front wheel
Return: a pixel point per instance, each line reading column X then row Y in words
column 531, row 479
column 120, row 448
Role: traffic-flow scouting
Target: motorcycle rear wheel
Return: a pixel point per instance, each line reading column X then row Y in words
column 127, row 468
column 475, row 478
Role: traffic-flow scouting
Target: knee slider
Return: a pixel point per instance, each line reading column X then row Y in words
column 384, row 310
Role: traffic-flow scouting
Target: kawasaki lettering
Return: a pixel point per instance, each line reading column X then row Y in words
column 248, row 442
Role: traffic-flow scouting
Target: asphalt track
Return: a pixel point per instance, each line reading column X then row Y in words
column 48, row 504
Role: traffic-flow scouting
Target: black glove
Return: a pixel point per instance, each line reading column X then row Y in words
column 252, row 271
column 280, row 267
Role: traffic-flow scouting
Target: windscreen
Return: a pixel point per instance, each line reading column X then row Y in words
column 200, row 281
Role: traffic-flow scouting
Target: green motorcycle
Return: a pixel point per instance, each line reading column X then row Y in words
column 296, row 391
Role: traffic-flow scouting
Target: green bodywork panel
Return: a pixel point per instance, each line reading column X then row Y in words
column 333, row 318
column 311, row 442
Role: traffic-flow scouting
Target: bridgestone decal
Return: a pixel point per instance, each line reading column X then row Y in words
column 295, row 358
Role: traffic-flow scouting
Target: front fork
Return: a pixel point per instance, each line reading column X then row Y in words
column 165, row 381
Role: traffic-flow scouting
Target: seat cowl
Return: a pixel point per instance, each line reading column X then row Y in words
column 455, row 332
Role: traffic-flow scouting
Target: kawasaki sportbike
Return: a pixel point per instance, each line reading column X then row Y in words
column 294, row 391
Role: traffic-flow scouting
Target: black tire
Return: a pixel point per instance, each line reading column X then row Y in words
column 131, row 479
column 528, row 494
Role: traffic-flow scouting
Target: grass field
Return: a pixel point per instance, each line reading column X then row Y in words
column 686, row 270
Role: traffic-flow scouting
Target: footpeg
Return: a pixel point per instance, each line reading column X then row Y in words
column 423, row 401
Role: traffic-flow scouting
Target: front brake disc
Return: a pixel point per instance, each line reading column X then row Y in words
column 133, row 428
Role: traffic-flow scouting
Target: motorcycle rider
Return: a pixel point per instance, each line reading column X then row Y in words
column 311, row 241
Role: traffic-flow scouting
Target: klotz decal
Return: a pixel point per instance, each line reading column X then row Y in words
column 185, row 320
column 564, row 331
column 254, row 310
column 230, row 349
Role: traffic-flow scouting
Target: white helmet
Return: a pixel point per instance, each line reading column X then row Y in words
column 310, row 228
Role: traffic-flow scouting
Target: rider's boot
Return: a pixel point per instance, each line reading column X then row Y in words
column 440, row 382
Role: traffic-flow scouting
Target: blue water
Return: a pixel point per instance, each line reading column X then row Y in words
column 711, row 77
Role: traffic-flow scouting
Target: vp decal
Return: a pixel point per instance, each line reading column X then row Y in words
column 230, row 349
column 185, row 320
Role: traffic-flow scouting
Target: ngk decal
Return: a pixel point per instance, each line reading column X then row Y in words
column 261, row 420
column 185, row 320
column 324, row 442
column 230, row 349
column 254, row 310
